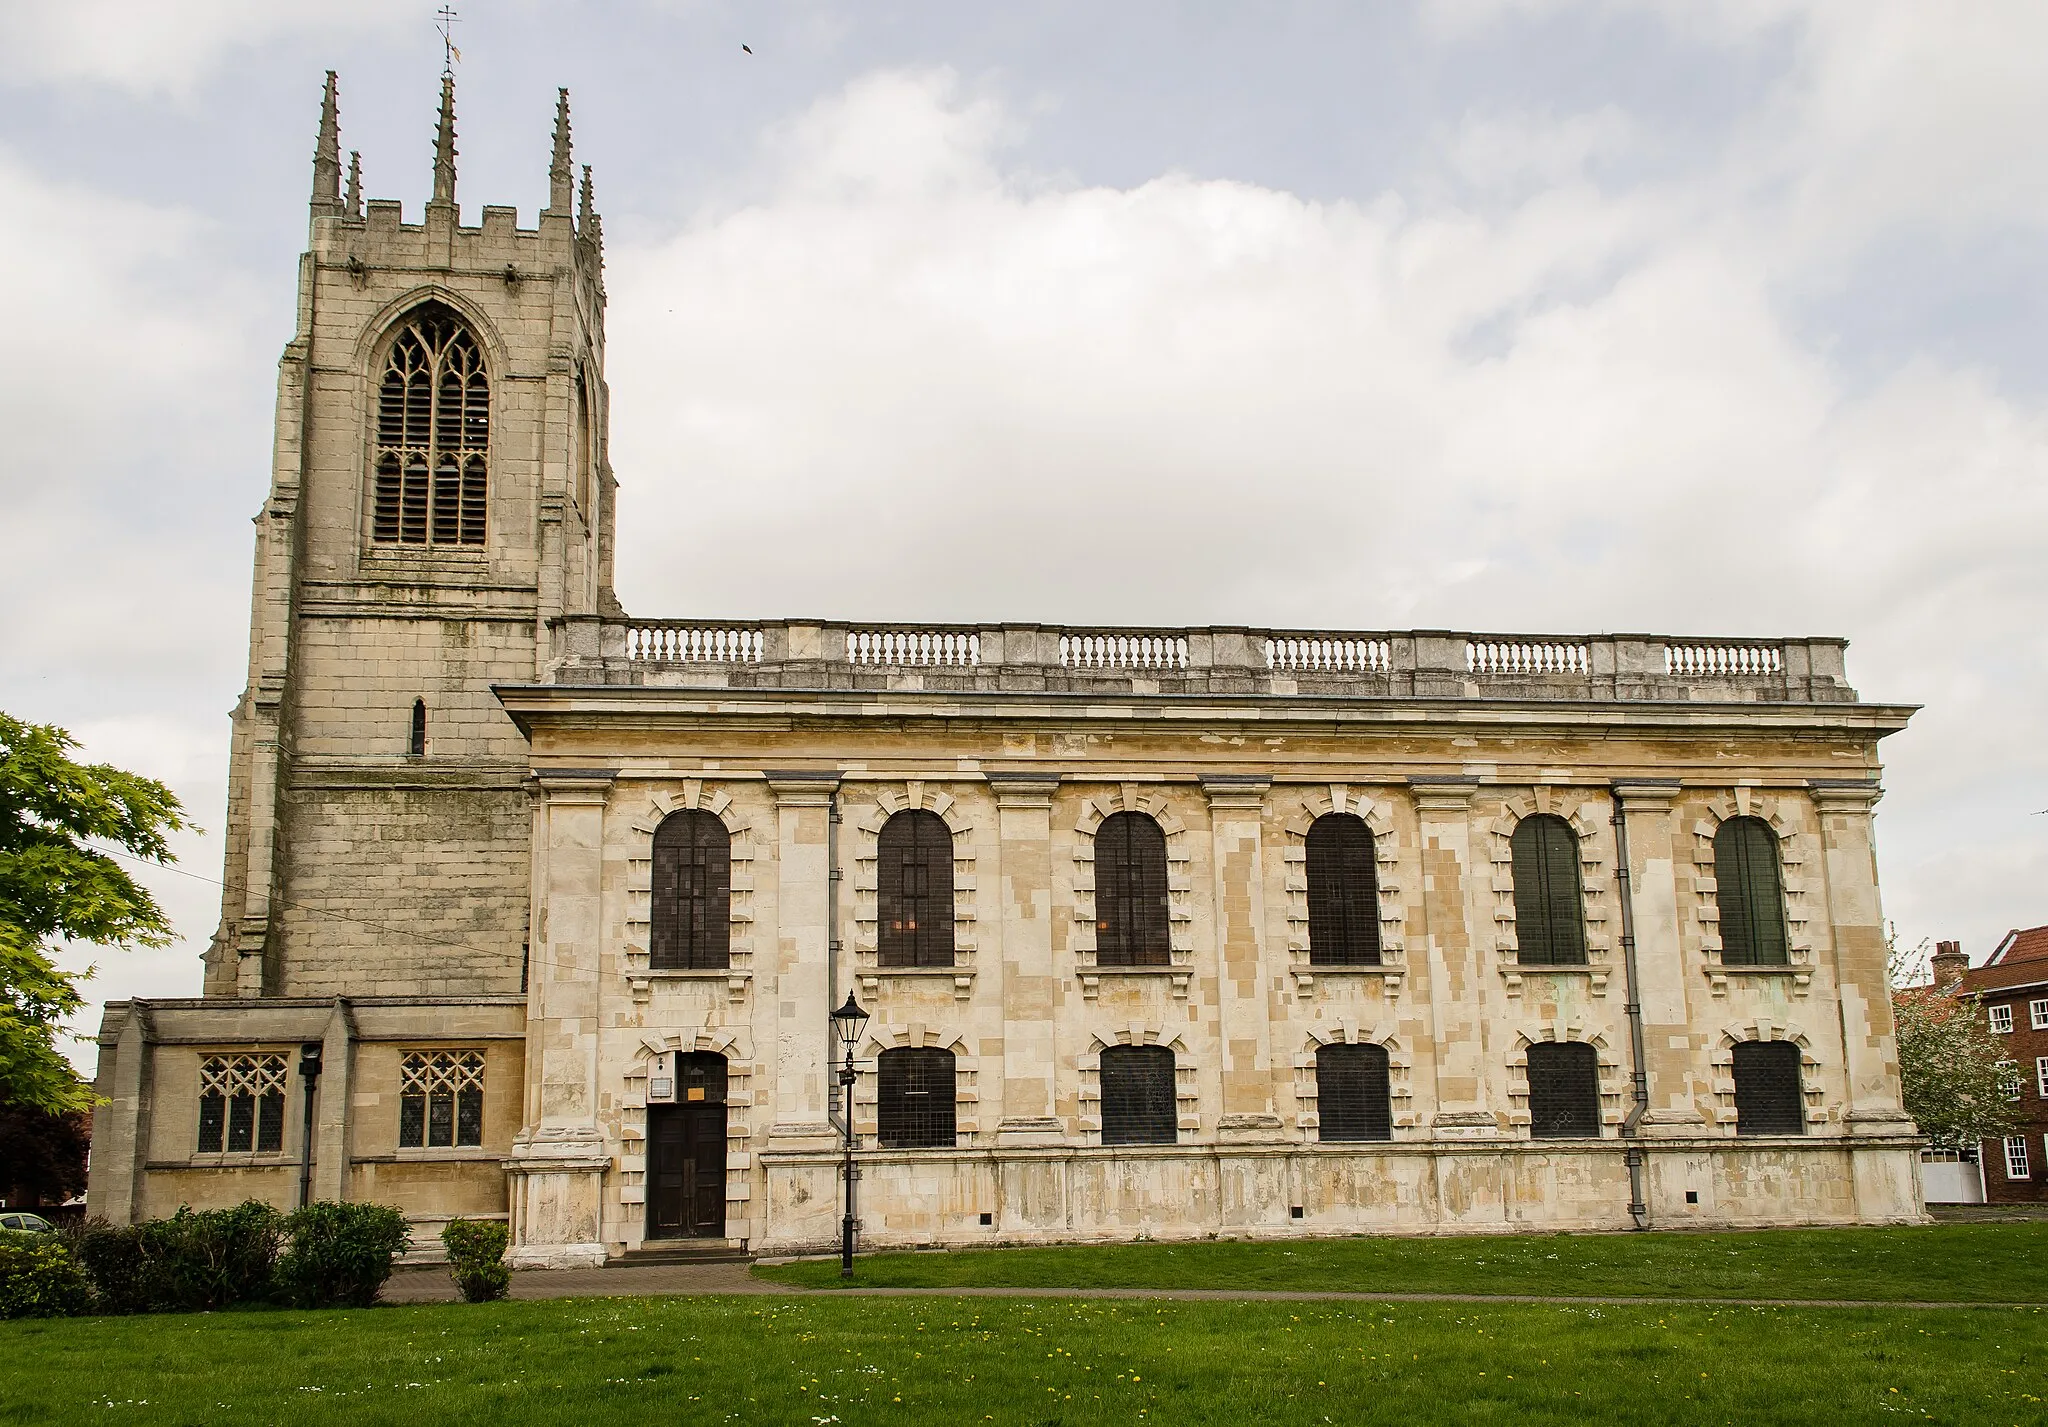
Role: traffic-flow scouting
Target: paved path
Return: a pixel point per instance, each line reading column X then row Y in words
column 432, row 1285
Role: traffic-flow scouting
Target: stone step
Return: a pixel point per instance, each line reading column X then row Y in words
column 680, row 1251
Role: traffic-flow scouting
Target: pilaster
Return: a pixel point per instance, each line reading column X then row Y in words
column 1870, row 1053
column 803, row 940
column 1030, row 991
column 1244, row 1030
column 559, row 1159
column 1675, row 1051
column 1458, row 994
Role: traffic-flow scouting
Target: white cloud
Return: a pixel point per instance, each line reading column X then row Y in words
column 156, row 47
column 964, row 394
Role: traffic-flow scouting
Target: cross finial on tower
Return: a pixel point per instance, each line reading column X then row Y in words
column 444, row 146
column 560, row 170
column 449, row 53
column 327, row 155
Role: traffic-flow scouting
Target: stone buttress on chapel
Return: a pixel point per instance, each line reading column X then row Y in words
column 536, row 910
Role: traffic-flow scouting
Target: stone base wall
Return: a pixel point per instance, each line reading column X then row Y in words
column 941, row 1198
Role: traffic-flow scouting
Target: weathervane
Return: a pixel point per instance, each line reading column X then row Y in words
column 450, row 55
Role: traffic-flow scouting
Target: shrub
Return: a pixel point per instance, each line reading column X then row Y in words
column 209, row 1258
column 40, row 1279
column 339, row 1254
column 476, row 1256
column 111, row 1256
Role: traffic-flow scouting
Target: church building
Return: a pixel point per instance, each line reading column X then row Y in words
column 538, row 910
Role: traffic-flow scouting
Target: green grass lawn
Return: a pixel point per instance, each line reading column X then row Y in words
column 1967, row 1263
column 825, row 1360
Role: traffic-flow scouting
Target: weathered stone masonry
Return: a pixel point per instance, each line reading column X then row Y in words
column 492, row 891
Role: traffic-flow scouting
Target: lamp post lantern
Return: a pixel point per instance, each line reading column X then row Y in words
column 849, row 1021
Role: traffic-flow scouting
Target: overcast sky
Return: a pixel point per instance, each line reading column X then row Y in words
column 1526, row 315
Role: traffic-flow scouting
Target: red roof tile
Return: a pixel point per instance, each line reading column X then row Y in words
column 2020, row 960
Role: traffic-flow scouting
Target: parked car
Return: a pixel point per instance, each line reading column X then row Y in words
column 18, row 1222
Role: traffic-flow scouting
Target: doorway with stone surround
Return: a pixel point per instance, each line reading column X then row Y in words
column 686, row 1154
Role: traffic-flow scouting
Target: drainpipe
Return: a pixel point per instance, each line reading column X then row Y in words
column 1639, row 1075
column 833, row 1116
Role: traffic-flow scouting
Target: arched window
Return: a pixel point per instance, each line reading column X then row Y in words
column 1750, row 894
column 914, row 1092
column 914, row 886
column 1550, row 922
column 692, row 905
column 1131, row 920
column 1138, row 1103
column 1343, row 893
column 433, row 434
column 1564, row 1090
column 1354, row 1093
column 416, row 744
column 1767, row 1092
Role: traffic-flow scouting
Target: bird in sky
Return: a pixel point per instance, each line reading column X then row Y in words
column 748, row 48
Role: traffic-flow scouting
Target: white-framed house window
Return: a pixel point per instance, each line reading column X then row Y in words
column 2041, row 1076
column 2001, row 1020
column 2009, row 1078
column 2015, row 1156
column 2037, row 1014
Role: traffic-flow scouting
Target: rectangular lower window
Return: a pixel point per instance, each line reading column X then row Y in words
column 441, row 1100
column 2041, row 1076
column 241, row 1104
column 2015, row 1156
column 2037, row 1014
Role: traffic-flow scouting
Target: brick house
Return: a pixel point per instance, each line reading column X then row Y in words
column 2012, row 987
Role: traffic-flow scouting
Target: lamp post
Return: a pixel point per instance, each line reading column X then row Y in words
column 849, row 1021
column 309, row 1074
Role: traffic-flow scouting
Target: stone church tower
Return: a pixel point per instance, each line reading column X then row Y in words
column 439, row 495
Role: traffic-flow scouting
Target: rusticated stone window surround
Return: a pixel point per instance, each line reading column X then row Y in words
column 1186, row 1085
column 1613, row 1074
column 1798, row 858
column 917, row 1036
column 868, row 807
column 1400, row 1062
column 1587, row 812
column 1765, row 1028
column 1156, row 804
column 692, row 794
column 737, row 1047
column 1387, row 850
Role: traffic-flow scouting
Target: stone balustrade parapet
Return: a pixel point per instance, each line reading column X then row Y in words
column 1213, row 659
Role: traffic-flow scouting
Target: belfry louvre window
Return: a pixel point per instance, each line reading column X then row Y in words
column 1750, row 893
column 441, row 1099
column 241, row 1104
column 1550, row 921
column 1131, row 912
column 691, row 913
column 1564, row 1090
column 914, row 1093
column 1138, row 1104
column 1343, row 893
column 1353, row 1093
column 914, row 890
column 433, row 435
column 1767, row 1091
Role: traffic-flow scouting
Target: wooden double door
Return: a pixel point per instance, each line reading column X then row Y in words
column 686, row 1154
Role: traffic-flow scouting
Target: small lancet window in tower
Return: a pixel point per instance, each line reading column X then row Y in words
column 416, row 741
column 433, row 435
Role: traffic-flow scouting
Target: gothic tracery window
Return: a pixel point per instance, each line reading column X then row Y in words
column 441, row 1099
column 241, row 1104
column 433, row 435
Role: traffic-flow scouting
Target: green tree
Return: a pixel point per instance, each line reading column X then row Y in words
column 1954, row 1085
column 55, row 887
